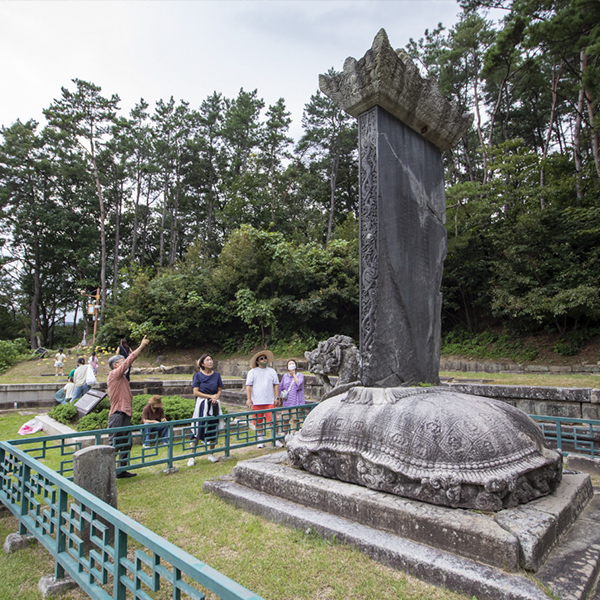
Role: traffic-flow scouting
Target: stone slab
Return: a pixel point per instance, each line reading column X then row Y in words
column 429, row 564
column 587, row 464
column 50, row 587
column 16, row 541
column 572, row 569
column 462, row 532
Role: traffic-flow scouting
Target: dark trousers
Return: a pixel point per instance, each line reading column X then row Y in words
column 122, row 439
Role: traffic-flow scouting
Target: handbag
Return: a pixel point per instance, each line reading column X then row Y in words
column 90, row 378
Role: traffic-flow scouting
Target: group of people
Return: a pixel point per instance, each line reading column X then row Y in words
column 81, row 377
column 264, row 391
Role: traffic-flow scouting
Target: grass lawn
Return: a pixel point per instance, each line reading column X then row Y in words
column 271, row 560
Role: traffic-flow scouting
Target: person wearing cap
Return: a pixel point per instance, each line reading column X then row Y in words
column 262, row 390
column 120, row 396
column 154, row 413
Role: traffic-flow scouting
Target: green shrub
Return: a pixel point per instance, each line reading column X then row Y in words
column 64, row 413
column 486, row 345
column 12, row 352
column 176, row 408
column 94, row 420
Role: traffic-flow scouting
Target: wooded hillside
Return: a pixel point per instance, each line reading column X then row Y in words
column 209, row 225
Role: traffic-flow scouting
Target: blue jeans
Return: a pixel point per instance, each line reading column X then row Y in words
column 79, row 391
column 162, row 433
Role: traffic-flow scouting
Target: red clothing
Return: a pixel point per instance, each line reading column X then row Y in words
column 118, row 388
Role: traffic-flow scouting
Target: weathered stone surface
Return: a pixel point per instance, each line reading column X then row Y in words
column 402, row 250
column 50, row 587
column 540, row 524
column 15, row 541
column 428, row 564
column 428, row 444
column 170, row 471
column 525, row 392
column 588, row 465
column 571, row 570
column 462, row 532
column 536, row 532
column 591, row 411
column 552, row 409
column 337, row 356
column 94, row 471
column 390, row 79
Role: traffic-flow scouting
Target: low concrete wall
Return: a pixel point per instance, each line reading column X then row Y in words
column 579, row 403
column 472, row 366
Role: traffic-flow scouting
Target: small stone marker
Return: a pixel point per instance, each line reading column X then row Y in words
column 94, row 470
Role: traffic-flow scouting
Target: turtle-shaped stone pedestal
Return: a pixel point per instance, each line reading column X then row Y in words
column 430, row 444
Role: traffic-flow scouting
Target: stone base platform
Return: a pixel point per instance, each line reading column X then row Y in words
column 479, row 554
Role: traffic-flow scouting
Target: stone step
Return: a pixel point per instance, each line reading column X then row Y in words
column 572, row 568
column 428, row 564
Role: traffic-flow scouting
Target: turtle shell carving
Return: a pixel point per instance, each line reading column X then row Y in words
column 430, row 444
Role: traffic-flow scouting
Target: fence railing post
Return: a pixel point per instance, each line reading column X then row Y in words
column 61, row 538
column 25, row 474
column 227, row 435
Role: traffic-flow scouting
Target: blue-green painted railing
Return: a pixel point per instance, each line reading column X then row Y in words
column 236, row 430
column 572, row 436
column 109, row 555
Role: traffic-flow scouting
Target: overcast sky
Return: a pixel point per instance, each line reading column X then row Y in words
column 188, row 49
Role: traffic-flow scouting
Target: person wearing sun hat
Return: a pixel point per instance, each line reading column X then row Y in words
column 262, row 390
column 154, row 413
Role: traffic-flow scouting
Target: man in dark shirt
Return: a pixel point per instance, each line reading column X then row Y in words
column 120, row 396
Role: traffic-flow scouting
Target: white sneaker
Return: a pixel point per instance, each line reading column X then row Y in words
column 260, row 437
column 191, row 462
column 147, row 446
column 213, row 458
column 278, row 444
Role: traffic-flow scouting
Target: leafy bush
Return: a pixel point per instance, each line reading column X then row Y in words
column 64, row 413
column 12, row 352
column 176, row 408
column 486, row 345
column 94, row 420
column 570, row 343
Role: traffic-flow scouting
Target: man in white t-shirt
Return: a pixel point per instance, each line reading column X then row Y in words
column 262, row 390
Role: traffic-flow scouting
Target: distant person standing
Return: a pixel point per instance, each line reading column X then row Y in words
column 291, row 390
column 121, row 398
column 59, row 362
column 262, row 391
column 124, row 351
column 207, row 386
column 93, row 362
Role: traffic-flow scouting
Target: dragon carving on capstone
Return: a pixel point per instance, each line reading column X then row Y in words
column 337, row 356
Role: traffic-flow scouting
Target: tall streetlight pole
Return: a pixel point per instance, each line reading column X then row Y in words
column 93, row 309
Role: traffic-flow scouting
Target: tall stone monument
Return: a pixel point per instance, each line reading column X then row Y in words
column 425, row 443
column 404, row 123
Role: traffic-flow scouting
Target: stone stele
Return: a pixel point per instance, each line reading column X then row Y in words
column 429, row 444
column 403, row 121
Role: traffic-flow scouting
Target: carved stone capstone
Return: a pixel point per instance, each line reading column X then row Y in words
column 391, row 80
column 335, row 356
column 429, row 444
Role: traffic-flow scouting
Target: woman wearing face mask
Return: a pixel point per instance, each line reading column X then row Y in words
column 291, row 391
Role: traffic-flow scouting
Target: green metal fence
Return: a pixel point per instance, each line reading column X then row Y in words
column 109, row 555
column 572, row 436
column 230, row 432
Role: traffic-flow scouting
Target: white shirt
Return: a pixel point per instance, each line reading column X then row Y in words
column 80, row 375
column 262, row 382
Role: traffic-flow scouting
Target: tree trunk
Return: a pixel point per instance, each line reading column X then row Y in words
column 118, row 204
column 333, row 184
column 577, row 141
column 555, row 80
column 591, row 113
